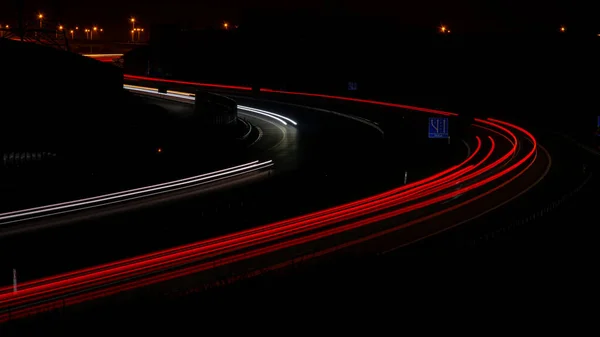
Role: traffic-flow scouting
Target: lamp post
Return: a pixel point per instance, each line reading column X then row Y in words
column 41, row 18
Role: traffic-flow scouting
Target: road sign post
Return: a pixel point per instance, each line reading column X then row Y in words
column 14, row 280
column 405, row 176
column 438, row 127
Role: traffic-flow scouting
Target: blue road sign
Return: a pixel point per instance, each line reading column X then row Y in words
column 438, row 127
column 352, row 86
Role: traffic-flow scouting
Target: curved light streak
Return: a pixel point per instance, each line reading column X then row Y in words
column 98, row 201
column 191, row 97
column 98, row 281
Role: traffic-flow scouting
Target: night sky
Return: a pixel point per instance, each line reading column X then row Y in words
column 462, row 15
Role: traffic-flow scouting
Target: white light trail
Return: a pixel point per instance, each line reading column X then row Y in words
column 177, row 94
column 132, row 194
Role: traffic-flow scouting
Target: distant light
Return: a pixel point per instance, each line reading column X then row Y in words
column 60, row 27
column 76, row 28
column 443, row 29
column 7, row 26
column 132, row 19
column 563, row 29
column 72, row 31
column 159, row 150
column 142, row 29
column 40, row 16
column 101, row 29
column 225, row 25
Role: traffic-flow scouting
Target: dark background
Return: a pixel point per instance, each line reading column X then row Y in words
column 461, row 16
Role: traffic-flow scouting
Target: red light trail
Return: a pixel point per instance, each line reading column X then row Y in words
column 475, row 171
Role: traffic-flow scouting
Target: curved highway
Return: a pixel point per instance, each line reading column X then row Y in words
column 503, row 162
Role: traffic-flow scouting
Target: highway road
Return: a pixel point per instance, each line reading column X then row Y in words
column 504, row 162
column 277, row 134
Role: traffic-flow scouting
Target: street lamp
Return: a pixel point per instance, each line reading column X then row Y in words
column 72, row 34
column 225, row 25
column 443, row 29
column 95, row 29
column 87, row 36
column 132, row 23
column 563, row 29
column 41, row 17
column 60, row 27
column 132, row 35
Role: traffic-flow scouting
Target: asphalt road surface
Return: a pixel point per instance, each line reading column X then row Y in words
column 502, row 162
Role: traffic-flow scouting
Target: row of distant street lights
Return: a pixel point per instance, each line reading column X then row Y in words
column 89, row 32
column 135, row 30
column 445, row 30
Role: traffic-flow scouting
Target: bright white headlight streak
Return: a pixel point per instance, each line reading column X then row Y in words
column 127, row 191
column 277, row 117
column 266, row 112
column 162, row 188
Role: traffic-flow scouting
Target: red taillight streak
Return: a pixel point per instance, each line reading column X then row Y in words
column 149, row 266
column 496, row 132
column 197, row 84
column 358, row 100
column 195, row 269
column 501, row 134
column 490, row 122
column 182, row 257
column 290, row 231
column 30, row 284
column 437, row 199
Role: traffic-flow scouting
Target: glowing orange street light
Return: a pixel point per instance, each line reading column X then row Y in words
column 225, row 25
column 563, row 29
column 76, row 28
column 41, row 17
column 102, row 29
column 60, row 27
column 72, row 34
